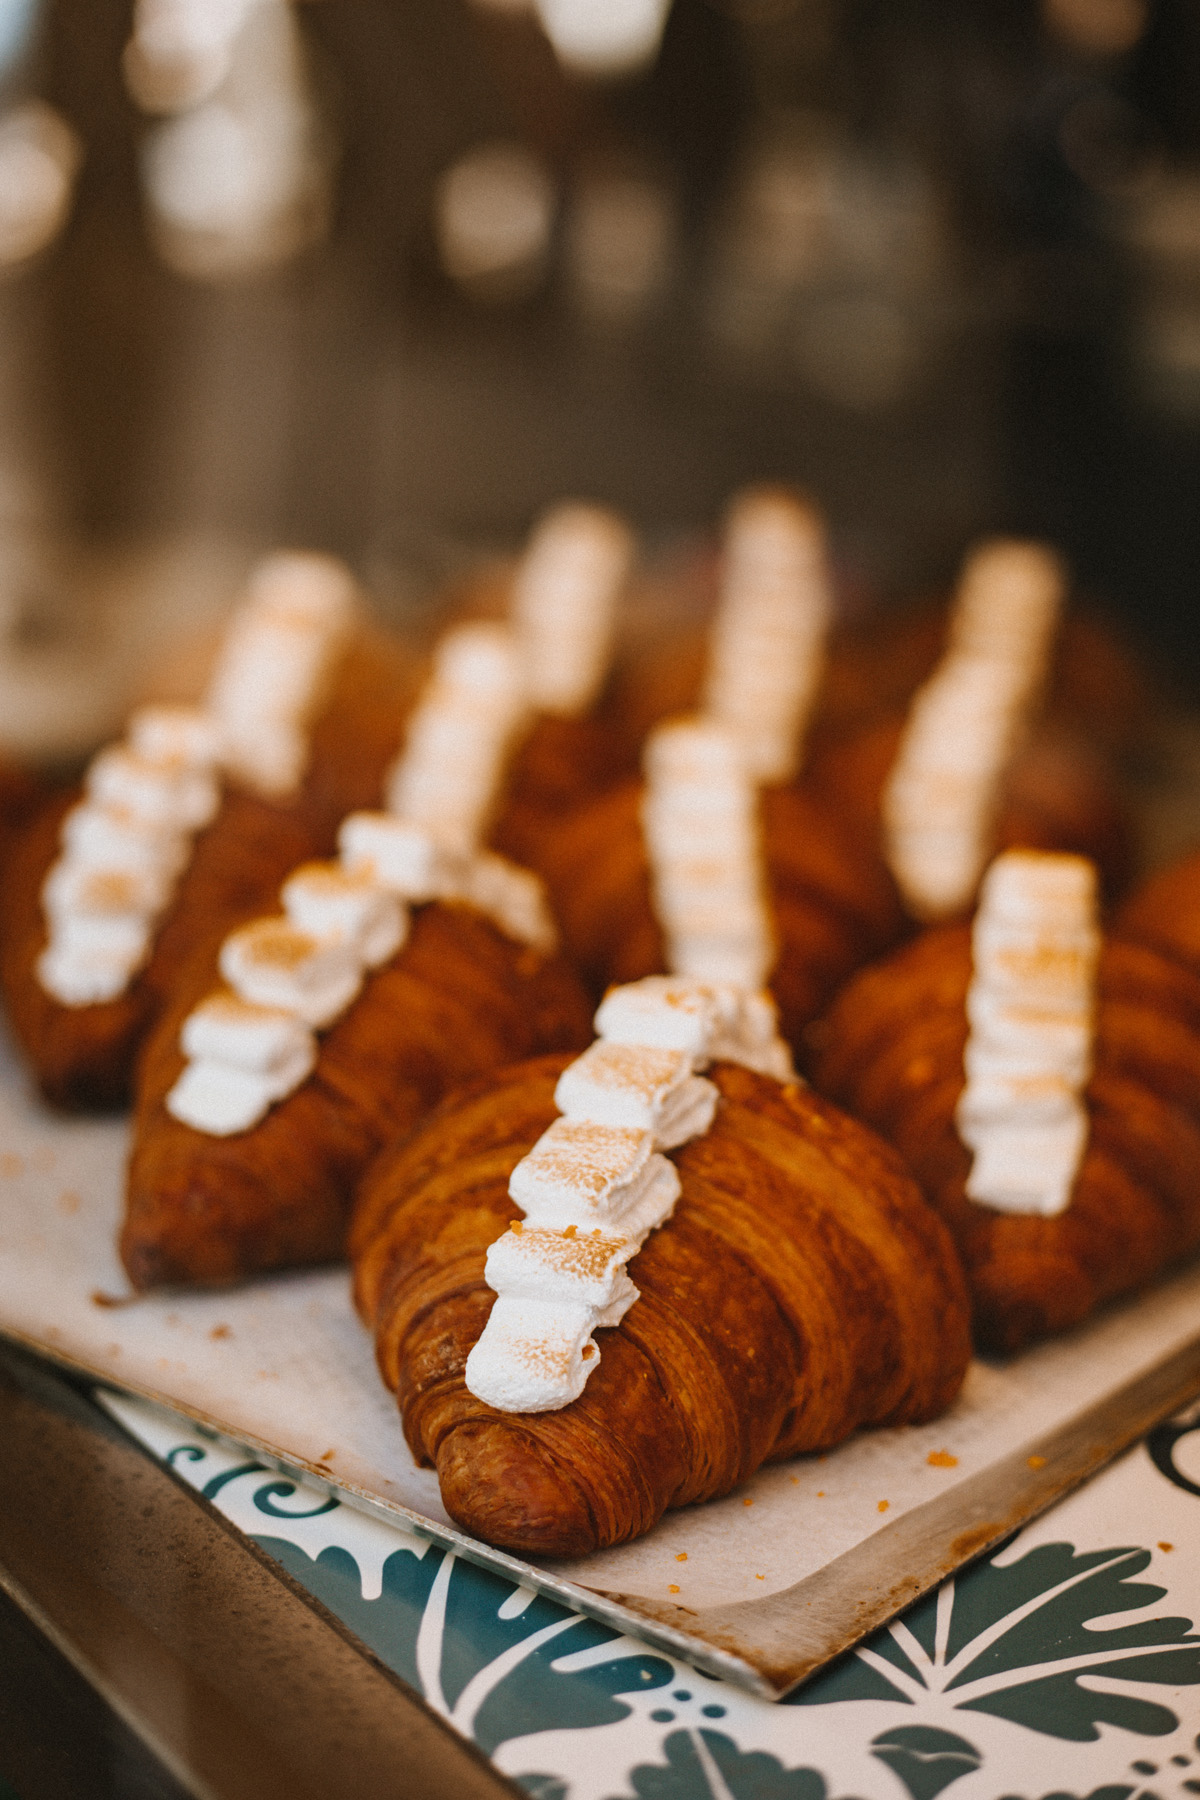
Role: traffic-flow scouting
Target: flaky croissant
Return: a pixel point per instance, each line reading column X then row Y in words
column 83, row 1056
column 891, row 1051
column 800, row 1290
column 833, row 903
column 459, row 998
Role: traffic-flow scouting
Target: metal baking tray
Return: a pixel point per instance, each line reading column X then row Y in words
column 761, row 1588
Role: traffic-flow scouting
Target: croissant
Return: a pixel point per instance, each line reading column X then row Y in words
column 460, row 997
column 801, row 1290
column 891, row 1051
column 834, row 904
column 83, row 1055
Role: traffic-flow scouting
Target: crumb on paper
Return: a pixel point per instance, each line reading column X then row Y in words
column 11, row 1164
column 820, row 1493
column 69, row 1201
column 883, row 1506
column 681, row 1556
column 1035, row 1462
column 760, row 1578
column 941, row 1459
column 795, row 1480
column 220, row 1331
column 100, row 1298
column 672, row 1587
column 747, row 1501
column 328, row 1455
column 1165, row 1546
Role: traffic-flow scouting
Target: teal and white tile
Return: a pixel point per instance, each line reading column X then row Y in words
column 1062, row 1667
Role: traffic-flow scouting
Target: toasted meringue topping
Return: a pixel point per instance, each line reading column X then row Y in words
column 1031, row 1011
column 564, row 602
column 940, row 801
column 271, row 963
column 324, row 899
column 768, row 641
column 459, row 736
column 271, row 673
column 124, row 846
column 699, row 815
column 713, row 1022
column 595, row 1185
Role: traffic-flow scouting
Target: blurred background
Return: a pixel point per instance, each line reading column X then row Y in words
column 386, row 276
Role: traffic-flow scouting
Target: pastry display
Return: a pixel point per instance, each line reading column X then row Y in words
column 769, row 1287
column 197, row 815
column 412, row 962
column 968, row 768
column 1043, row 1083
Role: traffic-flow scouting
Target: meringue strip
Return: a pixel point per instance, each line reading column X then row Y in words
column 940, row 800
column 564, row 604
column 596, row 1183
column 699, row 817
column 145, row 799
column 1031, row 1009
column 459, row 737
column 767, row 651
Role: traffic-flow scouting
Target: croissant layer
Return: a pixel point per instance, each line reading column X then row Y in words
column 459, row 998
column 891, row 1051
column 800, row 1290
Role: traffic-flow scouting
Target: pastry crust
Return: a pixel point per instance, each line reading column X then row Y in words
column 458, row 999
column 800, row 1290
column 891, row 1051
column 833, row 903
column 1164, row 912
column 83, row 1056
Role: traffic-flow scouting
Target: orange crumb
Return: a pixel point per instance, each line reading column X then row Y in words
column 328, row 1455
column 795, row 1480
column 69, row 1201
column 1163, row 1546
column 517, row 1226
column 820, row 1493
column 747, row 1501
column 220, row 1331
column 941, row 1459
column 570, row 1231
column 100, row 1298
column 760, row 1578
column 672, row 1587
column 1036, row 1462
column 883, row 1505
column 682, row 1556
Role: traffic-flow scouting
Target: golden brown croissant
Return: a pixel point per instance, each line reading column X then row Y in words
column 83, row 1055
column 891, row 1051
column 834, row 904
column 459, row 998
column 801, row 1289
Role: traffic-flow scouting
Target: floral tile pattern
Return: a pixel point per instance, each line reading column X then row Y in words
column 1064, row 1666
